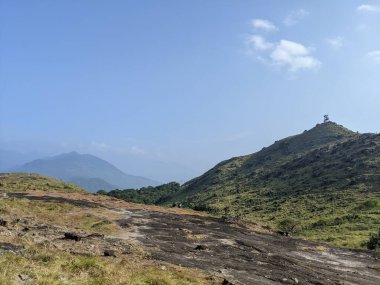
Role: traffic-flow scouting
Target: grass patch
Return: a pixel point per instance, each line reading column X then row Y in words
column 56, row 267
column 26, row 182
column 58, row 213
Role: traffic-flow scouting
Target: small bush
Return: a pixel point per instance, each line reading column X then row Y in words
column 374, row 242
column 369, row 205
column 288, row 225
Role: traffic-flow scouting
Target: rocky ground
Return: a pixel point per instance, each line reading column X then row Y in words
column 238, row 253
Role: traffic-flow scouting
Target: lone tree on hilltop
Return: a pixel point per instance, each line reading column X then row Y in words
column 326, row 119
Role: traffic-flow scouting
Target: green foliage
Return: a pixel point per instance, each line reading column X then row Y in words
column 288, row 225
column 369, row 205
column 327, row 179
column 147, row 195
column 374, row 242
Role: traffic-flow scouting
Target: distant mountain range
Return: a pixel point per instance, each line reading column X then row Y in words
column 85, row 170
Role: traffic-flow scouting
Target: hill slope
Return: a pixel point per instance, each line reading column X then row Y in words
column 55, row 233
column 82, row 238
column 327, row 179
column 90, row 171
column 24, row 182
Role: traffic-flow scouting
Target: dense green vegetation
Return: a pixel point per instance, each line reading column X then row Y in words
column 146, row 195
column 326, row 179
column 374, row 242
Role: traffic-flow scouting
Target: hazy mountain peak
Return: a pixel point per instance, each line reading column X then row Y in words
column 88, row 171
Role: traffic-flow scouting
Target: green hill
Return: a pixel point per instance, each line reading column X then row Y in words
column 26, row 182
column 326, row 181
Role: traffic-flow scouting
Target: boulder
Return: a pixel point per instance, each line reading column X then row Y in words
column 73, row 236
column 200, row 247
column 226, row 282
column 25, row 278
column 109, row 252
column 3, row 223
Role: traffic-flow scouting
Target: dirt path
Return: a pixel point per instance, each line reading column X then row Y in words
column 232, row 251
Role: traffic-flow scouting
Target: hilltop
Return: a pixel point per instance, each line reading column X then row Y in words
column 325, row 182
column 85, row 170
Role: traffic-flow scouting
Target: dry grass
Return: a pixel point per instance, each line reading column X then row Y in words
column 47, row 259
column 194, row 237
column 375, row 266
column 56, row 267
column 60, row 214
column 315, row 248
column 28, row 182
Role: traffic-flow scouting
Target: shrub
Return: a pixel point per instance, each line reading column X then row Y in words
column 374, row 242
column 288, row 225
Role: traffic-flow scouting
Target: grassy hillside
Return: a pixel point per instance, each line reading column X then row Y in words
column 33, row 249
column 327, row 180
column 25, row 182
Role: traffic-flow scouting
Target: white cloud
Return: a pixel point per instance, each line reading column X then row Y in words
column 265, row 25
column 99, row 145
column 294, row 56
column 295, row 16
column 137, row 150
column 335, row 43
column 368, row 8
column 375, row 55
column 259, row 43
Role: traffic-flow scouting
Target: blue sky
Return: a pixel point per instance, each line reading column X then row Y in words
column 167, row 89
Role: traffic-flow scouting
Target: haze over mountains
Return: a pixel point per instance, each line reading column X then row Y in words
column 10, row 159
column 85, row 170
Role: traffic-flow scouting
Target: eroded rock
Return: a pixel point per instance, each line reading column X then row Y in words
column 5, row 246
column 73, row 236
column 25, row 278
column 201, row 247
column 110, row 252
column 226, row 282
column 3, row 223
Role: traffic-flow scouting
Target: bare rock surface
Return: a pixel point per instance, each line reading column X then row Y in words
column 247, row 257
column 233, row 251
